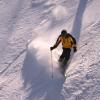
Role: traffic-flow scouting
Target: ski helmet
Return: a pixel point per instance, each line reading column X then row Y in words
column 63, row 32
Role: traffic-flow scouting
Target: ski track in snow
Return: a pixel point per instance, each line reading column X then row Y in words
column 28, row 29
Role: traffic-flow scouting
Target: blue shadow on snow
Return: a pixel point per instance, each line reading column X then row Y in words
column 37, row 81
column 76, row 29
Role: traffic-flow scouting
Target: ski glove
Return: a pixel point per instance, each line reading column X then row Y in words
column 75, row 49
column 51, row 48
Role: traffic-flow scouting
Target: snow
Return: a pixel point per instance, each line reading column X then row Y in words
column 27, row 30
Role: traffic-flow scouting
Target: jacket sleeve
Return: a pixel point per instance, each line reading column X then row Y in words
column 74, row 43
column 74, row 40
column 57, row 42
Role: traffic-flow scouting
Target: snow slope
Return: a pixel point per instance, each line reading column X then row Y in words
column 28, row 28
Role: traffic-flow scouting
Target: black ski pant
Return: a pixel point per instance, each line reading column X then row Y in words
column 65, row 54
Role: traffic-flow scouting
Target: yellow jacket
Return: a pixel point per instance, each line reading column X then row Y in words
column 67, row 41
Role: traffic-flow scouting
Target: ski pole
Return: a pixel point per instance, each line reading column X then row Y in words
column 51, row 65
column 82, row 46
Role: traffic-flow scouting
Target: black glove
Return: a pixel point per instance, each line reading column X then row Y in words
column 75, row 49
column 51, row 48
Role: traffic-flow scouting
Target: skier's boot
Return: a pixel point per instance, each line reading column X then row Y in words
column 60, row 60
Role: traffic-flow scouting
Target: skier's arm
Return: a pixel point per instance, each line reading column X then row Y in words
column 74, row 40
column 56, row 44
column 74, row 43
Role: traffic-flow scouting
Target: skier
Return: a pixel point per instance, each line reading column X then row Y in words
column 68, row 42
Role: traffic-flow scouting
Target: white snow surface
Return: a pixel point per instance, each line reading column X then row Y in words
column 27, row 30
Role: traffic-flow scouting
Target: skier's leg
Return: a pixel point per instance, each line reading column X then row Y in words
column 62, row 64
column 61, row 58
column 67, row 55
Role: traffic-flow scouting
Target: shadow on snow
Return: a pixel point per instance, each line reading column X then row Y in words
column 76, row 29
column 38, row 81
